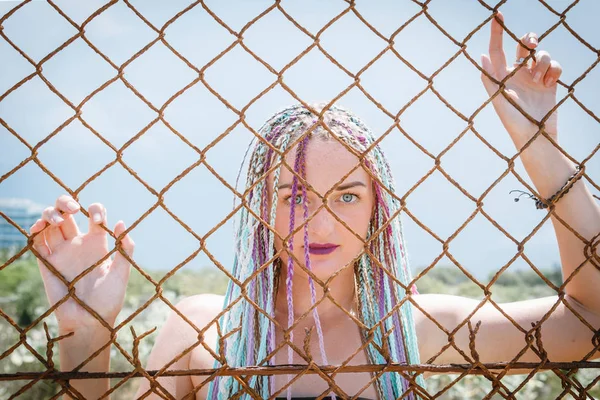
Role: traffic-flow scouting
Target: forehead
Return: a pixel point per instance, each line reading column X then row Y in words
column 327, row 162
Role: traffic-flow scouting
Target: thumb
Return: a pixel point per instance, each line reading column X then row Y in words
column 487, row 66
column 120, row 264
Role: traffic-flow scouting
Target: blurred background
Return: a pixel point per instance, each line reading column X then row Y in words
column 93, row 94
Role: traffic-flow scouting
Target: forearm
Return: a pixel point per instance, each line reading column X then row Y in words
column 75, row 349
column 549, row 169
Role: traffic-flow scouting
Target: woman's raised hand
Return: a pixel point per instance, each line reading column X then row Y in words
column 71, row 252
column 533, row 87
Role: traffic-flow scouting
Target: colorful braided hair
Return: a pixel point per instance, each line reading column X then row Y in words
column 247, row 329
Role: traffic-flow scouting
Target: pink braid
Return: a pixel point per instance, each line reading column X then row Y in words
column 313, row 293
column 290, row 266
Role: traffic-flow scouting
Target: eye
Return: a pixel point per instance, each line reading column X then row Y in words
column 298, row 199
column 348, row 197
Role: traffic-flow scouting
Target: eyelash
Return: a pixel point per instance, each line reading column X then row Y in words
column 356, row 198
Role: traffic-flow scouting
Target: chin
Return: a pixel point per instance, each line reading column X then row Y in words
column 325, row 266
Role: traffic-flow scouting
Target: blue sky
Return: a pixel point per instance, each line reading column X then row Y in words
column 201, row 201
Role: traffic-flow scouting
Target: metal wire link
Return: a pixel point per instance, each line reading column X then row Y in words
column 494, row 371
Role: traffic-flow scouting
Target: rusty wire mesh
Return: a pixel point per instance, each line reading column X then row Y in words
column 566, row 371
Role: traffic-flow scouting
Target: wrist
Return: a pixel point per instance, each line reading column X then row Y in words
column 88, row 335
column 85, row 326
column 82, row 344
column 87, row 350
column 547, row 167
column 522, row 135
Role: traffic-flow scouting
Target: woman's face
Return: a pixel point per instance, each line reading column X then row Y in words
column 331, row 245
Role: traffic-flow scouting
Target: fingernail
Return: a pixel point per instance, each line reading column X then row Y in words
column 549, row 82
column 533, row 40
column 97, row 218
column 72, row 206
column 57, row 219
column 537, row 76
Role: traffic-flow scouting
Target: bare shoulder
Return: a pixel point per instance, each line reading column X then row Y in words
column 189, row 318
column 185, row 328
column 202, row 311
column 180, row 344
column 201, row 306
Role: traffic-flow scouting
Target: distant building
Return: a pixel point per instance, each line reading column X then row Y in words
column 24, row 213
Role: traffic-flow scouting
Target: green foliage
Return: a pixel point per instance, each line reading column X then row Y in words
column 183, row 283
column 22, row 290
column 510, row 285
column 529, row 278
column 207, row 280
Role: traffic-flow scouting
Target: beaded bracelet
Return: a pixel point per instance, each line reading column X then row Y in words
column 539, row 204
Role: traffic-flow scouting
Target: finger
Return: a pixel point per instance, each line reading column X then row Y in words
column 68, row 206
column 553, row 74
column 496, row 50
column 97, row 214
column 52, row 233
column 40, row 245
column 528, row 42
column 39, row 242
column 542, row 63
column 51, row 216
column 120, row 264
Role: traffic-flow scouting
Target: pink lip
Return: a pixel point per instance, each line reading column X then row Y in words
column 322, row 248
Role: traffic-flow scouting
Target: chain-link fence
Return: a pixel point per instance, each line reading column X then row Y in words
column 117, row 65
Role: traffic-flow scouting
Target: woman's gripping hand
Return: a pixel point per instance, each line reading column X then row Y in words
column 58, row 241
column 532, row 87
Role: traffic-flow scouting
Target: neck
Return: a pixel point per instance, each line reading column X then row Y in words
column 341, row 289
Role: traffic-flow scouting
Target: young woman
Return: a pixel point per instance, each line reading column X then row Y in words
column 319, row 249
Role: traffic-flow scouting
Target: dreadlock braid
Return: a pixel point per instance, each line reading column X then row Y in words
column 381, row 274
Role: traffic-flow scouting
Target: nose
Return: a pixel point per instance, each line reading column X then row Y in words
column 322, row 224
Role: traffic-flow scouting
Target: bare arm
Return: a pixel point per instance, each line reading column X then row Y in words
column 549, row 170
column 564, row 337
column 547, row 167
column 78, row 348
column 59, row 243
column 62, row 250
column 503, row 330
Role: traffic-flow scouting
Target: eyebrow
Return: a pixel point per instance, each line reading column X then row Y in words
column 345, row 186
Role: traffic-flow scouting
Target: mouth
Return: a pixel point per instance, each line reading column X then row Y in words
column 322, row 248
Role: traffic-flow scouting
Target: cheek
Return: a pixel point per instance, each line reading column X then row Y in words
column 282, row 219
column 360, row 226
column 358, row 220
